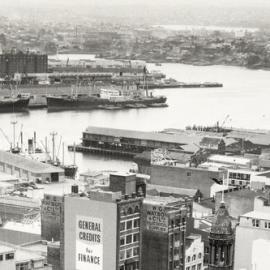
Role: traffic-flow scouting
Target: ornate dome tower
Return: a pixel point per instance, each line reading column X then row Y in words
column 221, row 241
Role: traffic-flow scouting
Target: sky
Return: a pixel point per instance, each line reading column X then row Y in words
column 225, row 3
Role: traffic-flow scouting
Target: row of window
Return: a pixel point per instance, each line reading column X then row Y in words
column 8, row 256
column 126, row 254
column 256, row 223
column 130, row 224
column 194, row 257
column 239, row 176
column 130, row 238
column 194, row 267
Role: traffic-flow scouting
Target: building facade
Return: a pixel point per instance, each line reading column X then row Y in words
column 101, row 232
column 11, row 63
column 252, row 243
column 221, row 241
column 163, row 233
column 194, row 252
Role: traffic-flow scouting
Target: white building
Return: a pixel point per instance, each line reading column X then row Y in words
column 194, row 252
column 252, row 241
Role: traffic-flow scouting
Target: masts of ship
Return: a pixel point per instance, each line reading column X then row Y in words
column 14, row 123
column 53, row 134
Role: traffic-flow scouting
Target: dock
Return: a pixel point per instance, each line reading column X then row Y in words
column 96, row 150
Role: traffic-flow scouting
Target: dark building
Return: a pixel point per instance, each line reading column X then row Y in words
column 185, row 177
column 214, row 144
column 221, row 241
column 19, row 62
column 127, row 183
column 51, row 208
column 163, row 233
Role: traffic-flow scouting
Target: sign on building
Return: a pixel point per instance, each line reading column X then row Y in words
column 156, row 218
column 89, row 243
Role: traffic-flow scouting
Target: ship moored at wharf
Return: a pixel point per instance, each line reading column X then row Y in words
column 14, row 103
column 106, row 99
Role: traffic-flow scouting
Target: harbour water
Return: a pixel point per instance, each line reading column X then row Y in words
column 245, row 97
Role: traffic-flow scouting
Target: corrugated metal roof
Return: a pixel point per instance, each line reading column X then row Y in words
column 28, row 164
column 180, row 139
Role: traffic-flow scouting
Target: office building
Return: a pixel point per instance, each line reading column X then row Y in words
column 163, row 233
column 194, row 252
column 101, row 231
column 51, row 207
column 252, row 240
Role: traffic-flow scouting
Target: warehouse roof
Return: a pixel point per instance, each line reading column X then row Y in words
column 28, row 164
column 144, row 135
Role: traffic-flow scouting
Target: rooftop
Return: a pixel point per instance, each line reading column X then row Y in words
column 173, row 190
column 257, row 215
column 157, row 200
column 28, row 164
column 143, row 135
column 6, row 249
column 229, row 159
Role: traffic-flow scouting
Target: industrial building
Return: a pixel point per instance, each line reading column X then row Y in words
column 20, row 62
column 134, row 141
column 101, row 231
column 163, row 233
column 28, row 169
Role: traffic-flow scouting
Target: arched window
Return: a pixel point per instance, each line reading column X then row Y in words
column 130, row 211
column 200, row 255
column 194, row 257
column 137, row 209
column 188, row 259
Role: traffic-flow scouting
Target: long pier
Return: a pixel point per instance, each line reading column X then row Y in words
column 96, row 150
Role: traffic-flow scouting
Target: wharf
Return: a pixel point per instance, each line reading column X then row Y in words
column 99, row 150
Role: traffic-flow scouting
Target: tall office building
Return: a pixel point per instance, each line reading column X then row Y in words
column 252, row 238
column 221, row 241
column 163, row 233
column 101, row 231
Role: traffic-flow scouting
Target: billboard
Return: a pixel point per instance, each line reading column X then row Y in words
column 89, row 243
column 156, row 218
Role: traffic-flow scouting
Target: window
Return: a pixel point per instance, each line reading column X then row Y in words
column 122, row 226
column 199, row 267
column 188, row 268
column 129, row 239
column 135, row 251
column 130, row 211
column 136, row 223
column 193, row 267
column 255, row 223
column 122, row 241
column 137, row 209
column 136, row 237
column 1, row 257
column 233, row 182
column 22, row 266
column 122, row 255
column 188, row 173
column 129, row 253
column 188, row 259
column 9, row 256
column 194, row 257
column 129, row 224
column 240, row 183
column 199, row 255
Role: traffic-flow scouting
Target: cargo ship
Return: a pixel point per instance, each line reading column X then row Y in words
column 105, row 99
column 14, row 103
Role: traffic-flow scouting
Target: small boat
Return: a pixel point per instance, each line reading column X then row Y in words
column 14, row 103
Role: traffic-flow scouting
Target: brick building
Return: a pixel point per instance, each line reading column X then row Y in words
column 163, row 233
